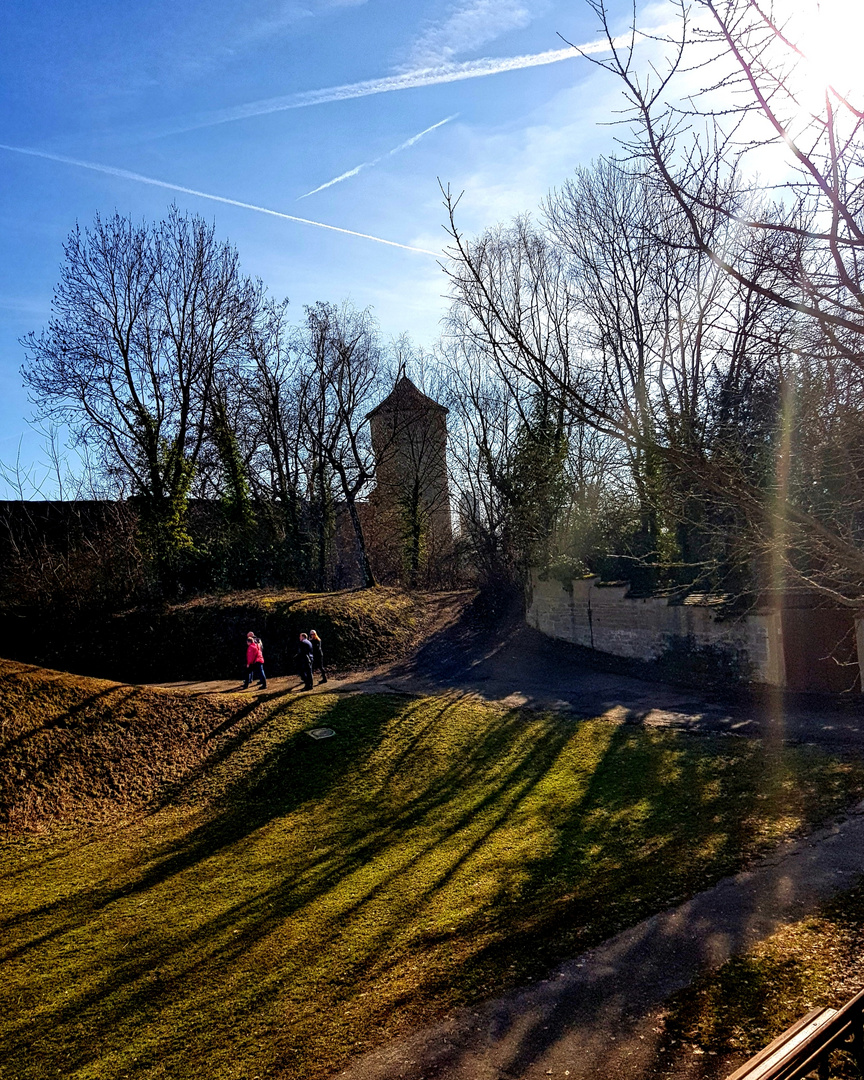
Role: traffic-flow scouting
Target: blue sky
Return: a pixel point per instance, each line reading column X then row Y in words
column 265, row 101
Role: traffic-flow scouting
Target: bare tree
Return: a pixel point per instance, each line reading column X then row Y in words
column 806, row 231
column 613, row 314
column 751, row 98
column 281, row 469
column 270, row 388
column 342, row 374
column 142, row 320
column 672, row 338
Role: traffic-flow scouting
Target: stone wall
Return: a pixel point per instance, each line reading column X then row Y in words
column 603, row 617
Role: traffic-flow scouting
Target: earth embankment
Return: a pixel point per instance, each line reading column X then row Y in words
column 204, row 638
column 75, row 749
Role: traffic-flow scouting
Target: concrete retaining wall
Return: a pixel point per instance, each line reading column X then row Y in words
column 602, row 617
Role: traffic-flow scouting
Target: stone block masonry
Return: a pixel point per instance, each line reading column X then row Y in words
column 605, row 618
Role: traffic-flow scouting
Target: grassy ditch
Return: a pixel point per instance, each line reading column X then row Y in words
column 204, row 638
column 731, row 1014
column 299, row 901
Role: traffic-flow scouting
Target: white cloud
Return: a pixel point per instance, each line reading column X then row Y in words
column 468, row 26
column 510, row 170
column 283, row 15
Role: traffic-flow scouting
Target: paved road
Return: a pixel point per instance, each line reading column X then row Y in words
column 526, row 668
column 516, row 665
column 593, row 1016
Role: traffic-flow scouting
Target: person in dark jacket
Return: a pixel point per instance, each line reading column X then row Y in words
column 254, row 661
column 317, row 654
column 304, row 662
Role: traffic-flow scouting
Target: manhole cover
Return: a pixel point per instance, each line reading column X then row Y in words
column 321, row 732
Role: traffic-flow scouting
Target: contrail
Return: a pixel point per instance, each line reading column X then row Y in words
column 342, row 176
column 125, row 174
column 374, row 161
column 416, row 138
column 442, row 73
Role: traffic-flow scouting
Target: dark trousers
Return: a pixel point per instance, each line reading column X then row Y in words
column 306, row 671
column 255, row 670
column 318, row 662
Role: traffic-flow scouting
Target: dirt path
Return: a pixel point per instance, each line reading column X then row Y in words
column 507, row 662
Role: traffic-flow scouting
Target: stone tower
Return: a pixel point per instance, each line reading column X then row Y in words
column 409, row 440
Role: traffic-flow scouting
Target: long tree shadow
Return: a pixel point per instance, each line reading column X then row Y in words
column 334, row 887
column 288, row 774
column 481, row 626
column 679, row 854
column 65, row 717
column 292, row 773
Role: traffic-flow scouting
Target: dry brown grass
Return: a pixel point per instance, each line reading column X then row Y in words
column 730, row 1014
column 80, row 750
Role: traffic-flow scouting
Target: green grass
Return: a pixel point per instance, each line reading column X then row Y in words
column 305, row 900
column 735, row 1011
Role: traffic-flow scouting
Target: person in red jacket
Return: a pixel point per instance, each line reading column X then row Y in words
column 254, row 661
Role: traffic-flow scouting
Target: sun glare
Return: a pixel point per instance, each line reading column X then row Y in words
column 829, row 33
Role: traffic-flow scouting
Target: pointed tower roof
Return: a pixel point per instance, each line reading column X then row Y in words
column 405, row 395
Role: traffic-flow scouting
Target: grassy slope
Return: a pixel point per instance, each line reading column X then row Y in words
column 204, row 638
column 300, row 901
column 731, row 1014
column 77, row 749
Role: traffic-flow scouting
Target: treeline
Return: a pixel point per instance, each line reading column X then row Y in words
column 673, row 350
column 180, row 379
column 657, row 377
column 79, row 556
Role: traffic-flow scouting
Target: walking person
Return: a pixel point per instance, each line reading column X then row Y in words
column 317, row 654
column 304, row 662
column 254, row 661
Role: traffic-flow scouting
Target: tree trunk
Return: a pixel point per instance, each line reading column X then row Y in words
column 362, row 554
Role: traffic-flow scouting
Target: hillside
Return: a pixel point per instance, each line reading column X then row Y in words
column 74, row 749
column 291, row 903
column 204, row 638
column 77, row 749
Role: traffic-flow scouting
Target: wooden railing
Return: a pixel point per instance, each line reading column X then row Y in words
column 805, row 1048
